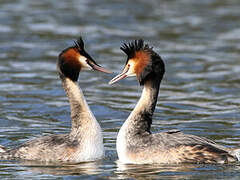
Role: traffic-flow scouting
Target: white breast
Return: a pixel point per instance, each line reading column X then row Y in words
column 93, row 148
column 122, row 145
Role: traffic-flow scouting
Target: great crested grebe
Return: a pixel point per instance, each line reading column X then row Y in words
column 85, row 141
column 135, row 142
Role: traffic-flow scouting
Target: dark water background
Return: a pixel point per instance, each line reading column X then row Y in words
column 200, row 93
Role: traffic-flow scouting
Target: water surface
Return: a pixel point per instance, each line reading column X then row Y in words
column 198, row 40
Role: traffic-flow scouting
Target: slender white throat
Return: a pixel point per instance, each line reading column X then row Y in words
column 131, row 124
column 146, row 103
column 139, row 121
column 84, row 124
column 80, row 112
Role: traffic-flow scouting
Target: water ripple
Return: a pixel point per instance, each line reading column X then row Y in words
column 198, row 40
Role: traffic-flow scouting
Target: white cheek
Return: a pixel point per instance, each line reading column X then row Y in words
column 84, row 64
column 131, row 71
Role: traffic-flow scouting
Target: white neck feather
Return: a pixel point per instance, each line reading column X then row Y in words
column 84, row 124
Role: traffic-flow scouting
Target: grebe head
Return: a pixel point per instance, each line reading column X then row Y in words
column 74, row 59
column 142, row 62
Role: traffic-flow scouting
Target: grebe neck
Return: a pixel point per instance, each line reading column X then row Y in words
column 81, row 114
column 140, row 119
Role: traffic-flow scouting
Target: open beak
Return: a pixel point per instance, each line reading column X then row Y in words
column 120, row 76
column 98, row 68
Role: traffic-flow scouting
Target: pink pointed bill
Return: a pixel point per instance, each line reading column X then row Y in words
column 101, row 69
column 118, row 77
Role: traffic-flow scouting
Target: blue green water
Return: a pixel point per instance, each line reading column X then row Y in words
column 198, row 40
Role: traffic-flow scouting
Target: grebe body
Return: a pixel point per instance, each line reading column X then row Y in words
column 85, row 140
column 135, row 142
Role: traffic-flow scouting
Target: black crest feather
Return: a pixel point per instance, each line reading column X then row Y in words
column 134, row 46
column 155, row 66
column 79, row 44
